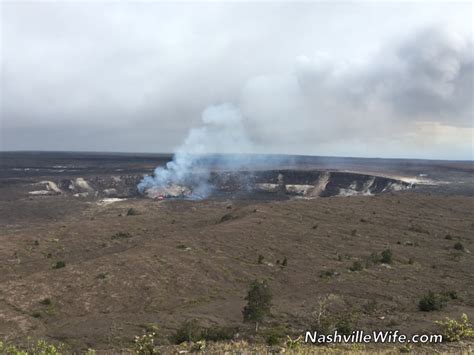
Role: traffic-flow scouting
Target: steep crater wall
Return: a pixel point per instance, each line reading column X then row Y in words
column 266, row 184
column 303, row 183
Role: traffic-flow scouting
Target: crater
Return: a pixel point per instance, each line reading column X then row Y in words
column 260, row 184
column 283, row 184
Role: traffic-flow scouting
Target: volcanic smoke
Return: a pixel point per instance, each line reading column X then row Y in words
column 222, row 132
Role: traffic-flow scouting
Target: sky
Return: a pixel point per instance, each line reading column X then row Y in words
column 360, row 79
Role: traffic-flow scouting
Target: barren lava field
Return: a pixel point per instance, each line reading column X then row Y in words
column 176, row 260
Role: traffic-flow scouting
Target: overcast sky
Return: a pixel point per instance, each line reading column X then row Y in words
column 320, row 78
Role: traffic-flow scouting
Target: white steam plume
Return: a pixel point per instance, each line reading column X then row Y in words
column 222, row 132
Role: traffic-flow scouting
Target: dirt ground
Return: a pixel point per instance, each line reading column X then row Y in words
column 179, row 260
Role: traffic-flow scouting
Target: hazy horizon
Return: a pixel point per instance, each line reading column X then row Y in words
column 170, row 154
column 390, row 80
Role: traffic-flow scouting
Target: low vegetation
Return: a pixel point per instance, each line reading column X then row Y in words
column 453, row 330
column 191, row 337
column 121, row 235
column 459, row 246
column 357, row 266
column 132, row 212
column 34, row 347
column 46, row 301
column 327, row 274
column 345, row 324
column 226, row 217
column 386, row 256
column 259, row 300
column 59, row 264
column 192, row 331
column 328, row 316
column 275, row 335
column 145, row 344
column 432, row 302
column 124, row 269
column 188, row 331
column 216, row 333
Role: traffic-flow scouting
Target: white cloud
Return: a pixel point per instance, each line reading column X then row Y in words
column 309, row 77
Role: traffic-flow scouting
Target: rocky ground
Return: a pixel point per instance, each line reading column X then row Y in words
column 94, row 274
column 177, row 260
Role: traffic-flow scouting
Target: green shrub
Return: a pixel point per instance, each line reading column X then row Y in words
column 145, row 344
column 39, row 347
column 132, row 212
column 285, row 262
column 327, row 274
column 345, row 324
column 386, row 256
column 274, row 336
column 459, row 246
column 102, row 275
column 259, row 300
column 198, row 346
column 293, row 344
column 431, row 302
column 260, row 259
column 356, row 266
column 46, row 301
column 121, row 235
column 453, row 330
column 59, row 264
column 191, row 331
column 451, row 294
column 219, row 333
column 226, row 217
column 188, row 331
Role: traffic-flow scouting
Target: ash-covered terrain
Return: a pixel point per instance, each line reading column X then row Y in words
column 98, row 175
column 89, row 259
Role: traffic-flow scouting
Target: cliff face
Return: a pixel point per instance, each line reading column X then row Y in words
column 303, row 183
column 267, row 184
